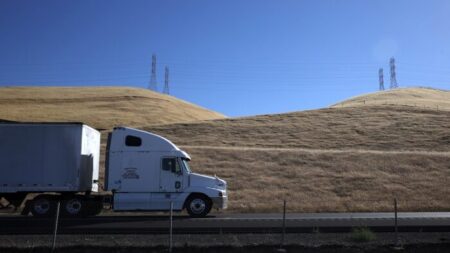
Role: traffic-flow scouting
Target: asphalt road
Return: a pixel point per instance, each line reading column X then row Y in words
column 228, row 223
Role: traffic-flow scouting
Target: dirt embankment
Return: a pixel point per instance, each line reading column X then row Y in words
column 384, row 242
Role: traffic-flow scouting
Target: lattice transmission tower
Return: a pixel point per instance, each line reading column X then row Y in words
column 166, row 81
column 393, row 74
column 381, row 78
column 153, row 85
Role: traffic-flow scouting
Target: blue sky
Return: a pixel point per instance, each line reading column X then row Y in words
column 236, row 57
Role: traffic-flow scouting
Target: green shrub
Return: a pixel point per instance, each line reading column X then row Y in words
column 363, row 234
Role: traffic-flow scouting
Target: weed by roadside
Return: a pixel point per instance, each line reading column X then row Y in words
column 363, row 234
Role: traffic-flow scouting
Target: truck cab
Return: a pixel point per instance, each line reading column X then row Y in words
column 147, row 172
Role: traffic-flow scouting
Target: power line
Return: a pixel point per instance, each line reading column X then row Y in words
column 166, row 81
column 153, row 85
column 393, row 74
column 381, row 78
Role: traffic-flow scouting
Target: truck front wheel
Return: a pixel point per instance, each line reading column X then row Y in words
column 198, row 206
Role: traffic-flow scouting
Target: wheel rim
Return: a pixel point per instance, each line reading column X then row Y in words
column 73, row 206
column 41, row 206
column 197, row 206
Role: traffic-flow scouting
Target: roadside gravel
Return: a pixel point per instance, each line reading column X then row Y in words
column 222, row 243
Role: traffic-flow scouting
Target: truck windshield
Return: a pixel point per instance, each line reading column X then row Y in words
column 186, row 165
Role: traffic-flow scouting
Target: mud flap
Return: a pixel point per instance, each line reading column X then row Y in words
column 26, row 209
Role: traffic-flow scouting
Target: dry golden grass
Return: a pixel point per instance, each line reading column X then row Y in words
column 417, row 97
column 344, row 158
column 100, row 107
column 259, row 180
column 337, row 159
column 376, row 128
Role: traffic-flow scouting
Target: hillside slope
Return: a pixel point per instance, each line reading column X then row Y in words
column 383, row 128
column 337, row 159
column 356, row 156
column 415, row 97
column 100, row 107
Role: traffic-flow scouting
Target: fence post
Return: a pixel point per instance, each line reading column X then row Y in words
column 283, row 232
column 396, row 223
column 171, row 227
column 55, row 230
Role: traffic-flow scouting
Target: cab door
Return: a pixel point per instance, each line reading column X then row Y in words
column 171, row 175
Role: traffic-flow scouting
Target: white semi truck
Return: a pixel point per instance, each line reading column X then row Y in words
column 43, row 163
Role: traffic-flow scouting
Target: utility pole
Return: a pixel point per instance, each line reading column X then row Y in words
column 166, row 81
column 381, row 78
column 152, row 85
column 393, row 74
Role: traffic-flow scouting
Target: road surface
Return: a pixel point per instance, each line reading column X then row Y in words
column 228, row 223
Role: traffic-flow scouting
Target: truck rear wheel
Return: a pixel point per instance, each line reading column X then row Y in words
column 74, row 206
column 43, row 206
column 198, row 206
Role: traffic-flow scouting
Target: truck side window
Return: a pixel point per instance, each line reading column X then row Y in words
column 133, row 141
column 171, row 164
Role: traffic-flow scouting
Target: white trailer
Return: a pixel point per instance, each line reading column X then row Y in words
column 49, row 158
column 143, row 171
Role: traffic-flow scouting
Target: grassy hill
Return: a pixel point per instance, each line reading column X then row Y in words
column 416, row 97
column 335, row 159
column 101, row 107
column 355, row 156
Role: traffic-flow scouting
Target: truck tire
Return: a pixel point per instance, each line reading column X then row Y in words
column 198, row 206
column 74, row 207
column 43, row 206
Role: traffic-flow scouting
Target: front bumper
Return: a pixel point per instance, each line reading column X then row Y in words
column 220, row 202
